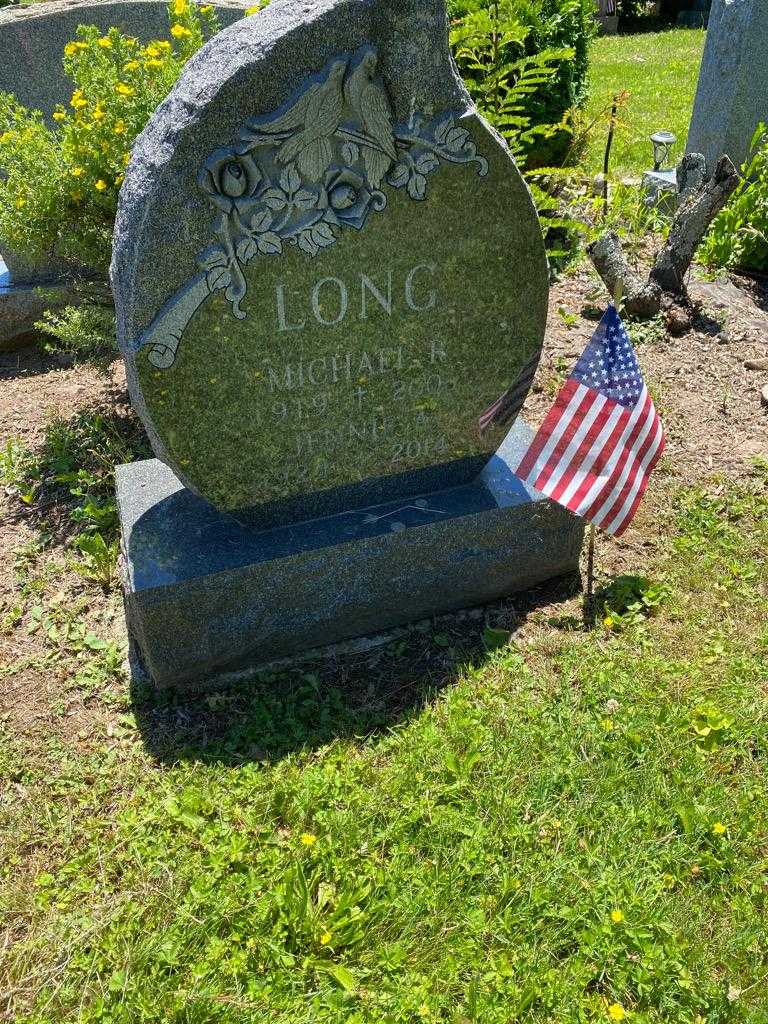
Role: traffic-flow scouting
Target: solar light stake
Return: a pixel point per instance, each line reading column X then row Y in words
column 662, row 144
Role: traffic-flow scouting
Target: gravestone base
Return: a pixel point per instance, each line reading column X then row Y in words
column 206, row 596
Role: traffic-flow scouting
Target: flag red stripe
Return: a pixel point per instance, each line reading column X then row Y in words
column 599, row 463
column 576, row 462
column 618, row 530
column 550, row 422
column 633, row 459
column 643, row 423
column 565, row 438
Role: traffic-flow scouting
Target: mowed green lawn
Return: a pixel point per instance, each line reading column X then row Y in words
column 571, row 828
column 660, row 71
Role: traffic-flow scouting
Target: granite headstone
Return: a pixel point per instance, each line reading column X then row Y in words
column 326, row 267
column 732, row 94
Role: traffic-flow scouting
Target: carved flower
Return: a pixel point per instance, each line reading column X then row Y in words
column 350, row 198
column 230, row 179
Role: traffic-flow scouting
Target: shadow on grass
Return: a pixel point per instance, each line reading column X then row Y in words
column 27, row 359
column 343, row 694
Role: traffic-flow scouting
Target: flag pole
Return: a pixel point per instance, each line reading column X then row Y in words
column 589, row 617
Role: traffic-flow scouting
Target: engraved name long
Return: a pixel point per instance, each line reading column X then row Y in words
column 294, row 177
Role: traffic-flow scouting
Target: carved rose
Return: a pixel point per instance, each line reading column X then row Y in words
column 350, row 198
column 231, row 179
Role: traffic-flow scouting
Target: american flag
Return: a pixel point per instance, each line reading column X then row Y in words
column 602, row 438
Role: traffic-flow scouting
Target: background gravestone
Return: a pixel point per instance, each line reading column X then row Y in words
column 32, row 40
column 326, row 268
column 732, row 94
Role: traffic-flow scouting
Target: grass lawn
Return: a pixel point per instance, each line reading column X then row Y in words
column 660, row 71
column 570, row 828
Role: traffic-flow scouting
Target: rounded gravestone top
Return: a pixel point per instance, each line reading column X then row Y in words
column 329, row 275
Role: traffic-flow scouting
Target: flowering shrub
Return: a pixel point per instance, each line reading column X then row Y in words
column 59, row 185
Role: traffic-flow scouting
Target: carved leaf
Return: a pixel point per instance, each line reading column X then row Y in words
column 455, row 139
column 212, row 257
column 350, row 152
column 269, row 244
column 427, row 162
column 261, row 221
column 417, row 186
column 290, row 180
column 442, row 130
column 304, row 199
column 218, row 278
column 307, row 244
column 322, row 235
column 246, row 249
column 399, row 176
column 275, row 199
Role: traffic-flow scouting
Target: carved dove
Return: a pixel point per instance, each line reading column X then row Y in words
column 310, row 147
column 368, row 99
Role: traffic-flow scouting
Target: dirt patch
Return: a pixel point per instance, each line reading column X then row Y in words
column 715, row 424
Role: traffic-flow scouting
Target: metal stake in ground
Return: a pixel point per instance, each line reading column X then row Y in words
column 589, row 615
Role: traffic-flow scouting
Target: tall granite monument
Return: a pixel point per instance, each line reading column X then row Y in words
column 326, row 269
column 732, row 94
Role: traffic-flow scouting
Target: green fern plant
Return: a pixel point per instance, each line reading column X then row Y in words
column 489, row 48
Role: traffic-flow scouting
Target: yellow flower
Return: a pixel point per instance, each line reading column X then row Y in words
column 131, row 65
column 152, row 50
column 21, row 201
column 307, row 839
column 616, row 1011
column 78, row 101
column 163, row 44
column 719, row 828
column 119, row 128
column 616, row 916
column 77, row 172
column 253, row 10
column 608, row 622
column 6, row 137
column 105, row 43
column 126, row 158
column 607, row 724
column 179, row 7
column 59, row 115
column 325, row 938
column 207, row 9
column 124, row 90
column 98, row 114
column 153, row 64
column 119, row 179
column 100, row 185
column 180, row 32
column 70, row 50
